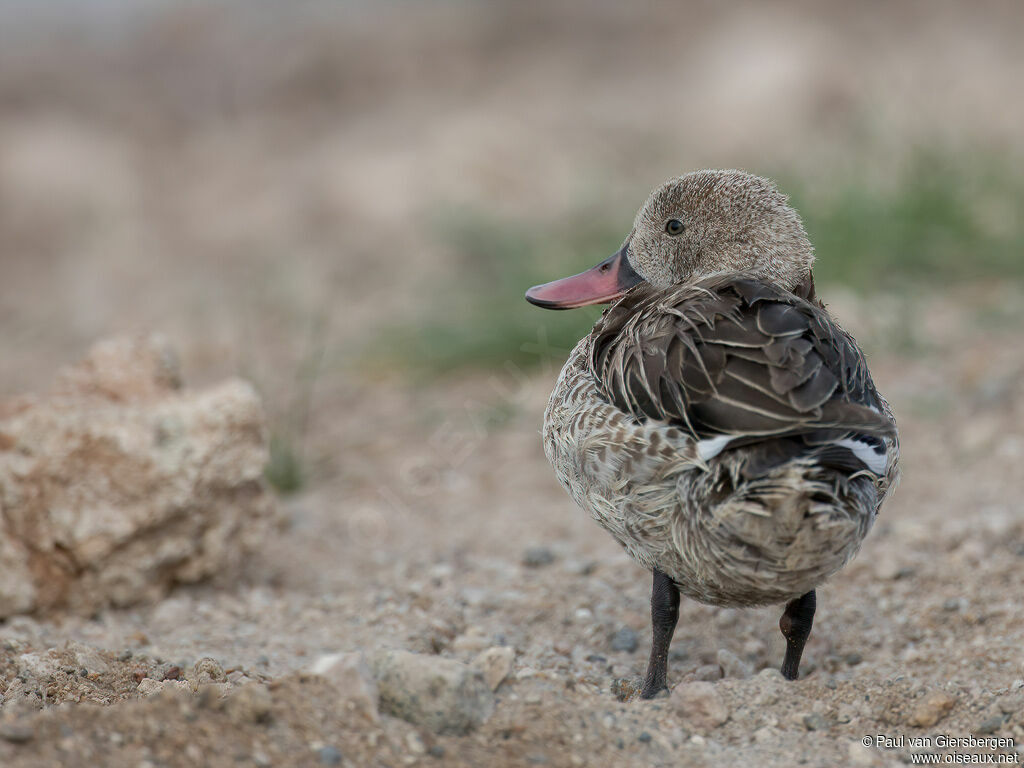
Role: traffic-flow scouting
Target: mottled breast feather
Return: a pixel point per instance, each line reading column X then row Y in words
column 735, row 356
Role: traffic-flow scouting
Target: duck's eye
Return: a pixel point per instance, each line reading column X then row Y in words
column 674, row 227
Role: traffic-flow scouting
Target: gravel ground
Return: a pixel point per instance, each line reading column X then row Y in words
column 234, row 185
column 449, row 553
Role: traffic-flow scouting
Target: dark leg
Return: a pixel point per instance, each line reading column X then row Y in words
column 664, row 615
column 796, row 627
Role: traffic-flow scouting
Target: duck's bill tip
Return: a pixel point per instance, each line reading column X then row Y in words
column 606, row 282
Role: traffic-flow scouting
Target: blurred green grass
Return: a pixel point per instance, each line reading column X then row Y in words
column 477, row 316
column 937, row 223
column 941, row 222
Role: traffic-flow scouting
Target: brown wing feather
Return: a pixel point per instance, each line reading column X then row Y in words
column 734, row 355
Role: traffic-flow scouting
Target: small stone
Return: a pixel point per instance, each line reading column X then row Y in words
column 415, row 743
column 853, row 659
column 16, row 733
column 990, row 725
column 624, row 688
column 815, row 722
column 208, row 670
column 538, row 556
column 436, row 751
column 732, row 665
column 351, row 677
column 644, row 737
column 708, row 673
column 860, row 754
column 148, row 686
column 439, row 694
column 931, row 709
column 473, row 640
column 625, row 640
column 846, row 714
column 173, row 673
column 250, row 704
column 496, row 664
column 329, row 755
column 88, row 659
column 124, row 655
column 1011, row 703
column 700, row 704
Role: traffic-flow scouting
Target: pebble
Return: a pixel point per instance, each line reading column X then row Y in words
column 415, row 743
column 329, row 756
column 815, row 722
column 708, row 673
column 16, row 733
column 473, row 640
column 624, row 688
column 931, row 709
column 440, row 694
column 172, row 673
column 351, row 677
column 208, row 670
column 732, row 665
column 626, row 640
column 1011, row 703
column 495, row 664
column 250, row 704
column 148, row 686
column 859, row 754
column 700, row 705
column 88, row 659
column 990, row 725
column 538, row 556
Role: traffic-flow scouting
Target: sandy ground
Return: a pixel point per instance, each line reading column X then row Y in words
column 138, row 196
column 433, row 560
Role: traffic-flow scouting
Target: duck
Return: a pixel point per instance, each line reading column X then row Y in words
column 717, row 421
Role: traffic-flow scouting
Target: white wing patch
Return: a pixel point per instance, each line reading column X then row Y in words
column 867, row 454
column 712, row 446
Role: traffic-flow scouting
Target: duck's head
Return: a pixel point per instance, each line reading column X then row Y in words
column 692, row 227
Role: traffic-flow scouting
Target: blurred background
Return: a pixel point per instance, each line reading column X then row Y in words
column 343, row 203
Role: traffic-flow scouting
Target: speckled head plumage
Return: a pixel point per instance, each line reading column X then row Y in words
column 731, row 222
column 692, row 227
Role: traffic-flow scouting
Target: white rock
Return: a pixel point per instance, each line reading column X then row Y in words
column 439, row 694
column 149, row 686
column 700, row 705
column 931, row 709
column 351, row 676
column 114, row 453
column 496, row 664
